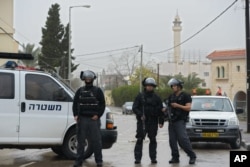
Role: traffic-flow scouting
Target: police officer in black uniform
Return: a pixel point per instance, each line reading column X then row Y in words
column 88, row 107
column 148, row 109
column 179, row 105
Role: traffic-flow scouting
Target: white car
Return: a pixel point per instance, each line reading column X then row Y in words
column 213, row 118
column 127, row 108
column 36, row 112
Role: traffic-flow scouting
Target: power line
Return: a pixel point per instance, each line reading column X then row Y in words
column 107, row 51
column 90, row 65
column 15, row 29
column 192, row 36
column 94, row 58
column 11, row 36
column 101, row 56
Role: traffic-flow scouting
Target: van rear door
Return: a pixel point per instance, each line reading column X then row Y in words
column 9, row 107
column 43, row 118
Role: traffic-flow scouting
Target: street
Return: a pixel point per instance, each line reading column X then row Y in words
column 121, row 154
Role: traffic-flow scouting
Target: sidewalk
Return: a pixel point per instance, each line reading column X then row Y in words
column 245, row 136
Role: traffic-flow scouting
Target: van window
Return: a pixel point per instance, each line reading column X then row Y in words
column 40, row 87
column 7, row 88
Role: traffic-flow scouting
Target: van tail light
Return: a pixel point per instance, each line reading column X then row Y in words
column 110, row 121
column 110, row 126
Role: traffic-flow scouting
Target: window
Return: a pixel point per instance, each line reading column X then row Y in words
column 223, row 72
column 40, row 87
column 203, row 84
column 7, row 88
column 238, row 68
column 218, row 72
column 206, row 74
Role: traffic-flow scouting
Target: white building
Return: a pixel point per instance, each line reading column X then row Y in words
column 7, row 44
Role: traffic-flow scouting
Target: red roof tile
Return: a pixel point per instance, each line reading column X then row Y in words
column 227, row 54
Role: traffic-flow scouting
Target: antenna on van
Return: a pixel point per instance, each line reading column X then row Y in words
column 19, row 56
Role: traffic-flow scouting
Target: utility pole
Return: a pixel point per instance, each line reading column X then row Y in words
column 97, row 79
column 158, row 74
column 141, row 49
column 69, row 57
column 116, row 81
column 248, row 62
column 69, row 49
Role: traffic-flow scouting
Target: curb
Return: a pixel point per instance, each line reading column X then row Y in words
column 246, row 145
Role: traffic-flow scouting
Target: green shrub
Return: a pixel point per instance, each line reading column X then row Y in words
column 124, row 93
column 201, row 91
column 164, row 92
column 128, row 93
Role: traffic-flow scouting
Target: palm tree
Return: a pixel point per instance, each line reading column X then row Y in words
column 164, row 80
column 30, row 48
column 192, row 81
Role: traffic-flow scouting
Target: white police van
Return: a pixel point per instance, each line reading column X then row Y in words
column 36, row 112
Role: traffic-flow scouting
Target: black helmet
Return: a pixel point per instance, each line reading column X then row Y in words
column 87, row 74
column 149, row 81
column 175, row 81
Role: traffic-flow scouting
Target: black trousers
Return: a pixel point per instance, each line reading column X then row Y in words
column 178, row 134
column 87, row 126
column 151, row 131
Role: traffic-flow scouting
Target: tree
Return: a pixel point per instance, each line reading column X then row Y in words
column 164, row 80
column 126, row 64
column 146, row 72
column 55, row 44
column 191, row 81
column 30, row 48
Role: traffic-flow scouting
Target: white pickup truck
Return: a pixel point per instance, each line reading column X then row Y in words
column 36, row 112
column 214, row 119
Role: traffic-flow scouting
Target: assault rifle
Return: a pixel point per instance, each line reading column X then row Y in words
column 143, row 118
column 168, row 113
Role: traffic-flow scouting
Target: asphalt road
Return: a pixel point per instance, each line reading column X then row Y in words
column 121, row 154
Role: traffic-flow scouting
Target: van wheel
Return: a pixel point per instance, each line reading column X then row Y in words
column 70, row 146
column 236, row 143
column 57, row 150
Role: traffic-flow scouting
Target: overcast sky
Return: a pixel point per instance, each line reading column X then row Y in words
column 114, row 24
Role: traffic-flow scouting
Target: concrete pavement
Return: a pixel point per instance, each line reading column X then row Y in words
column 245, row 136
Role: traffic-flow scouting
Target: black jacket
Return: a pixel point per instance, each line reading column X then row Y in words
column 152, row 107
column 99, row 97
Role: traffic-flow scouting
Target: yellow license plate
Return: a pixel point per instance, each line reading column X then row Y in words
column 210, row 134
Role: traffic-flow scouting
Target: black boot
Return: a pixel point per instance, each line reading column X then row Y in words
column 99, row 164
column 77, row 164
column 174, row 161
column 154, row 161
column 137, row 162
column 192, row 160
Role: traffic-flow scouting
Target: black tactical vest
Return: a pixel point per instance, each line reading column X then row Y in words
column 88, row 103
column 177, row 113
column 150, row 104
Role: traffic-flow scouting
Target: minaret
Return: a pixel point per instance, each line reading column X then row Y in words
column 177, row 38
